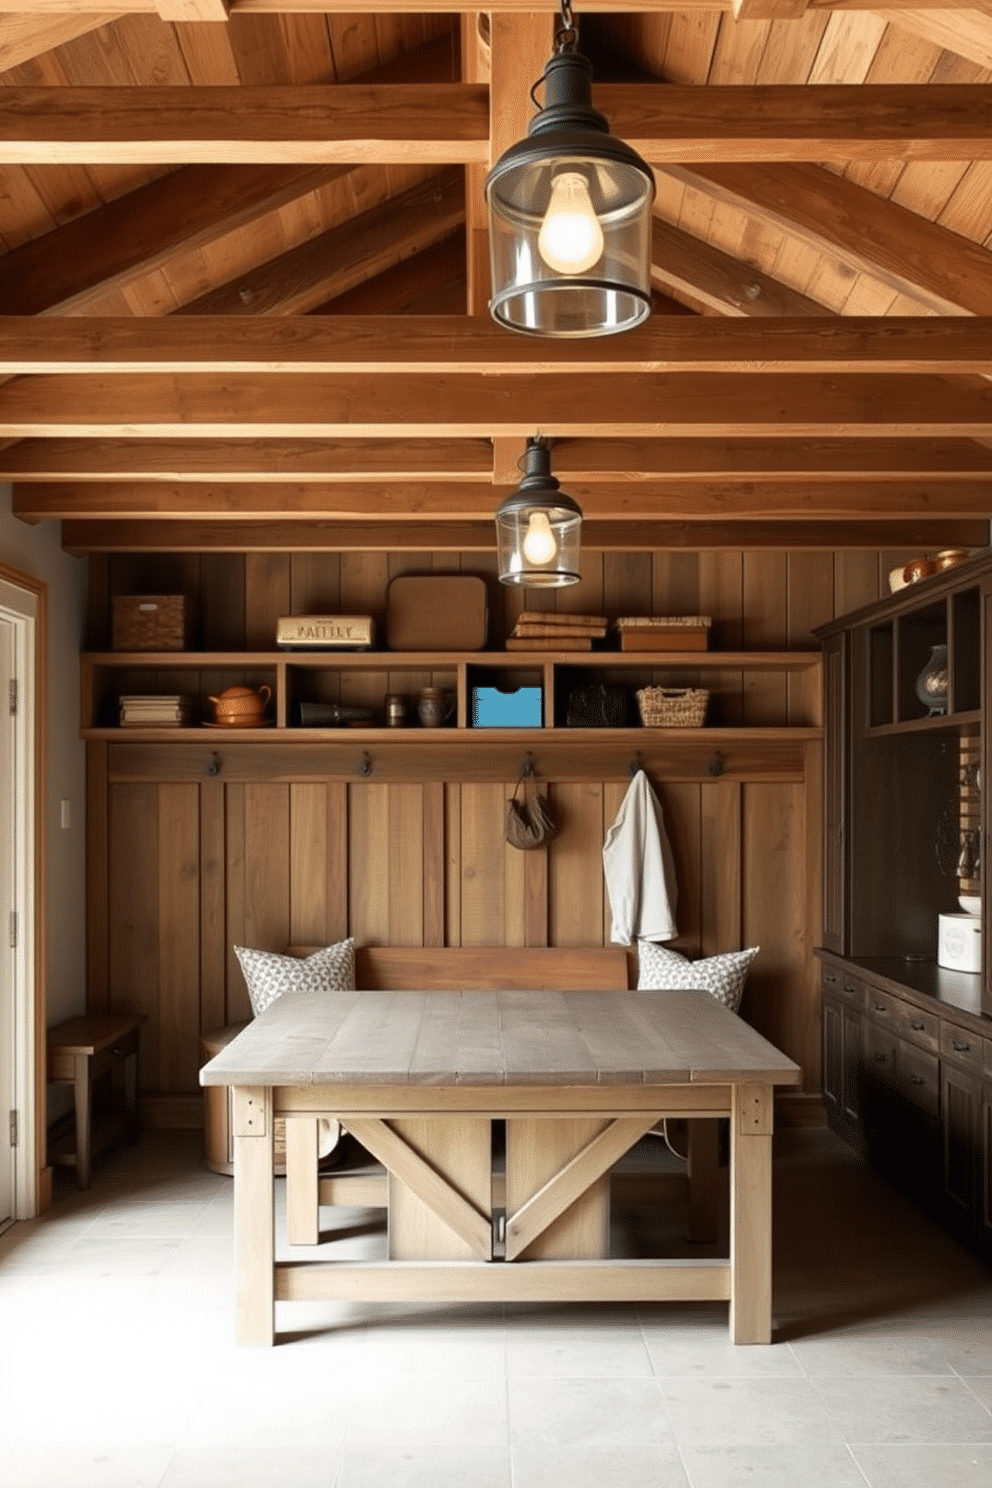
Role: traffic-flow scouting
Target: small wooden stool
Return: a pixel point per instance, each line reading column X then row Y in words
column 81, row 1050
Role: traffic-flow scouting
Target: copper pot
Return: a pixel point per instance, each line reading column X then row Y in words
column 919, row 568
column 241, row 707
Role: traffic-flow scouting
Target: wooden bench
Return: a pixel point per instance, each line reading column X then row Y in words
column 361, row 1182
column 81, row 1051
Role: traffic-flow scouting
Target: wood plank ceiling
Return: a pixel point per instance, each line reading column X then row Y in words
column 243, row 275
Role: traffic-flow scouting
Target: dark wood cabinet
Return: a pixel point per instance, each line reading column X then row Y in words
column 907, row 1043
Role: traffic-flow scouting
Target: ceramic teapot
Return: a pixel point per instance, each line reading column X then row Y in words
column 241, row 707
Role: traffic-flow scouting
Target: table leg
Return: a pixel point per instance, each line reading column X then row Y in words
column 84, row 1118
column 254, row 1216
column 751, row 1214
column 131, row 1095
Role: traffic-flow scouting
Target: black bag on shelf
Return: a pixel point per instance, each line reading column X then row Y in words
column 598, row 705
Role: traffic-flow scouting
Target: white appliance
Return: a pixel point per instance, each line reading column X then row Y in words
column 959, row 942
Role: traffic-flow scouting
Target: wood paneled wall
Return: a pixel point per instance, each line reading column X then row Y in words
column 180, row 871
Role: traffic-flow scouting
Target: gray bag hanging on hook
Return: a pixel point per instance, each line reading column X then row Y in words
column 528, row 824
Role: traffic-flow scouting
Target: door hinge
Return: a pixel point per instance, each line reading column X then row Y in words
column 13, row 1129
column 13, row 928
column 13, row 694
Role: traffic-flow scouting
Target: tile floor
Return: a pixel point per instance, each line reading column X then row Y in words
column 118, row 1368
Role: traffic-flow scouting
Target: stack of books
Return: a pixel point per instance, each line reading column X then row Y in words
column 539, row 630
column 141, row 710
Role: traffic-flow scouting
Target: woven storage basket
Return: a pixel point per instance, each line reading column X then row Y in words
column 672, row 707
column 150, row 622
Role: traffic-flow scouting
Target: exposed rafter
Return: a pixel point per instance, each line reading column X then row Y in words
column 449, row 123
column 461, row 537
column 456, row 346
column 473, row 404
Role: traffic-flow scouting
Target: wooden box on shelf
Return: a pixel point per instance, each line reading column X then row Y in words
column 150, row 622
column 664, row 632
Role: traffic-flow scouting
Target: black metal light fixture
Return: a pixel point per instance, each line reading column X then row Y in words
column 570, row 214
column 538, row 528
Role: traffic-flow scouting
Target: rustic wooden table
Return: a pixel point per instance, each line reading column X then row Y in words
column 578, row 1077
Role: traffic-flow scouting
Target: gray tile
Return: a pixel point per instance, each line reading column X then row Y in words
column 780, row 1466
column 424, row 1466
column 574, row 1411
column 747, row 1412
column 576, row 1350
column 705, row 1349
column 925, row 1466
column 414, row 1410
column 285, row 1466
column 48, row 1464
column 907, row 1408
column 598, row 1466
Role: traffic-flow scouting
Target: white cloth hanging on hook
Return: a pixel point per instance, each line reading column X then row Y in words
column 640, row 869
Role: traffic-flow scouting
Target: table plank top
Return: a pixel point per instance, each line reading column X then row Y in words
column 498, row 1038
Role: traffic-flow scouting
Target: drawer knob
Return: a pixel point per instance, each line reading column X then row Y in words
column 829, row 978
column 849, row 989
column 959, row 1048
column 917, row 1080
column 917, row 1025
column 879, row 1007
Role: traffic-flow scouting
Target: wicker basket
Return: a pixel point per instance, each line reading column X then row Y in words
column 672, row 707
column 150, row 622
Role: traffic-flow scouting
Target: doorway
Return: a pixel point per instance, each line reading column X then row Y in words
column 19, row 1025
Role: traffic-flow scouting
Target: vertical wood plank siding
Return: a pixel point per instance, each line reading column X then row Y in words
column 180, row 873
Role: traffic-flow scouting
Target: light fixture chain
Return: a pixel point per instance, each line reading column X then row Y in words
column 567, row 34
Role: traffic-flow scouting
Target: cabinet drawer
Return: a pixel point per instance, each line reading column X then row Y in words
column 904, row 1018
column 880, row 1058
column 961, row 1045
column 840, row 984
column 919, row 1078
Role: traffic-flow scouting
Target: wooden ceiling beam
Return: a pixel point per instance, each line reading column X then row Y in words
column 353, row 124
column 245, row 460
column 400, row 502
column 941, row 270
column 432, row 405
column 459, row 537
column 241, row 8
column 448, row 123
column 431, row 281
column 124, row 241
column 964, row 29
column 627, row 461
column 132, row 236
column 345, row 256
column 692, row 267
column 25, row 36
column 460, row 345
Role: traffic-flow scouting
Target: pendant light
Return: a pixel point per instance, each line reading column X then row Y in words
column 570, row 214
column 538, row 527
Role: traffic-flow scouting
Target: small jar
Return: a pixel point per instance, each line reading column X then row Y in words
column 395, row 710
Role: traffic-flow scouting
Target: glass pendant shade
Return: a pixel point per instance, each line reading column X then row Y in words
column 570, row 219
column 538, row 529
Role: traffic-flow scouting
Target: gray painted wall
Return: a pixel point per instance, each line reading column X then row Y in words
column 36, row 551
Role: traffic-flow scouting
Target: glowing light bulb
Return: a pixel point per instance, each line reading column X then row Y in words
column 539, row 543
column 571, row 239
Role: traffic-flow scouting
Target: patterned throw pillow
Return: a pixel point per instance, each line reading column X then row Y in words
column 660, row 970
column 269, row 975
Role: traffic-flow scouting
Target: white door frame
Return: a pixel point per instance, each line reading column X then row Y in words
column 22, row 602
